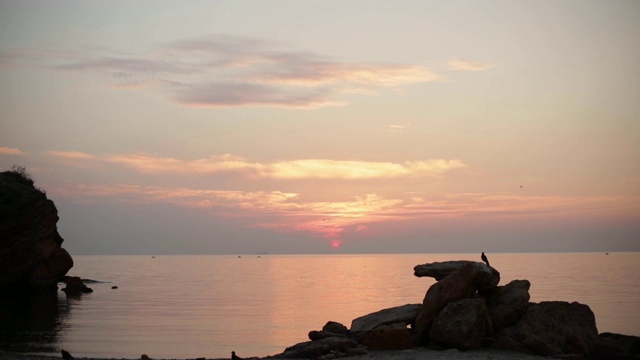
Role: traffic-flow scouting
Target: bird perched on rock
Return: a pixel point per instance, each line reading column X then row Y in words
column 66, row 355
column 484, row 258
column 234, row 356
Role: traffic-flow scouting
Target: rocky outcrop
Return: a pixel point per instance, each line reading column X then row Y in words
column 508, row 303
column 31, row 256
column 461, row 324
column 462, row 283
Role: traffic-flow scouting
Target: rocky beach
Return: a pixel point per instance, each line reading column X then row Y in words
column 465, row 314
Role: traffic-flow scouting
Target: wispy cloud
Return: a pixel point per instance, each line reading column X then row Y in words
column 398, row 127
column 290, row 212
column 71, row 154
column 11, row 151
column 294, row 169
column 230, row 71
column 468, row 65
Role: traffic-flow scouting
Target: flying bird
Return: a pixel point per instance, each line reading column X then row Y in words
column 484, row 258
column 66, row 355
column 234, row 356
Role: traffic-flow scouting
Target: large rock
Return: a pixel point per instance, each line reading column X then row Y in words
column 439, row 270
column 557, row 327
column 314, row 349
column 507, row 304
column 461, row 324
column 609, row 346
column 389, row 337
column 405, row 314
column 463, row 283
column 30, row 252
column 75, row 286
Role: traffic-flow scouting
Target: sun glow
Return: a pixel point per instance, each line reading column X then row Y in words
column 335, row 244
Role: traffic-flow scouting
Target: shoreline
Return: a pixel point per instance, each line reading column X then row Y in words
column 416, row 353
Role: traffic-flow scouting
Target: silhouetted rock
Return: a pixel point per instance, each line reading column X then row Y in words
column 461, row 324
column 507, row 304
column 30, row 252
column 315, row 335
column 336, row 328
column 389, row 337
column 405, row 314
column 75, row 286
column 462, row 283
column 439, row 270
column 557, row 327
column 314, row 349
column 609, row 346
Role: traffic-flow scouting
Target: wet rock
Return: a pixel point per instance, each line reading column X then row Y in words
column 557, row 327
column 507, row 304
column 405, row 314
column 461, row 324
column 463, row 283
column 389, row 337
column 75, row 286
column 314, row 349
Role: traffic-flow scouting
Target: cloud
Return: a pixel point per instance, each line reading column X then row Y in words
column 75, row 155
column 395, row 128
column 291, row 170
column 232, row 71
column 11, row 151
column 467, row 65
column 283, row 211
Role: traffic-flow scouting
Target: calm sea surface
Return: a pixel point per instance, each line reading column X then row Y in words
column 207, row 306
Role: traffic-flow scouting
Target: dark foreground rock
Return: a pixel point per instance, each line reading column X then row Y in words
column 31, row 257
column 557, row 327
column 314, row 349
column 389, row 337
column 508, row 303
column 609, row 346
column 405, row 314
column 461, row 324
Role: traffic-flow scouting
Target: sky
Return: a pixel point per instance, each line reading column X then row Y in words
column 243, row 127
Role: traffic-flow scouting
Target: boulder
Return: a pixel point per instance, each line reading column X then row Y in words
column 461, row 324
column 609, row 346
column 336, row 328
column 405, row 314
column 389, row 337
column 315, row 335
column 314, row 349
column 439, row 270
column 557, row 327
column 507, row 304
column 75, row 286
column 463, row 283
column 30, row 253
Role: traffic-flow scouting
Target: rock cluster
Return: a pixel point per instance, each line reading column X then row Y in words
column 31, row 256
column 467, row 309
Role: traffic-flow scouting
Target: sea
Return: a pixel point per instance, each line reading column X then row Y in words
column 257, row 305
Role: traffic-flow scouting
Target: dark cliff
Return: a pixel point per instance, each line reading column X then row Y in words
column 31, row 256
